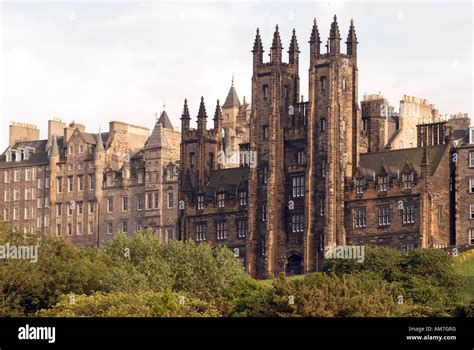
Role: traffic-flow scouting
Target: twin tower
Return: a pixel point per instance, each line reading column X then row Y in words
column 304, row 152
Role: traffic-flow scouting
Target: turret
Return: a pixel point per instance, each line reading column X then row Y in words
column 334, row 38
column 352, row 41
column 277, row 48
column 293, row 52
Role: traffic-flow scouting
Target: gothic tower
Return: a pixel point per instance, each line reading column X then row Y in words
column 275, row 88
column 333, row 140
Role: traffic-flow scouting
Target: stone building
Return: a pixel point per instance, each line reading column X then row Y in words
column 321, row 172
column 86, row 187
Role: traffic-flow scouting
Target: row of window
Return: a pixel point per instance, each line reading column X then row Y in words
column 384, row 183
column 30, row 175
column 29, row 194
column 383, row 216
column 221, row 230
column 222, row 200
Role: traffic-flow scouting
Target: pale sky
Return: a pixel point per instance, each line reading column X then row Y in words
column 93, row 62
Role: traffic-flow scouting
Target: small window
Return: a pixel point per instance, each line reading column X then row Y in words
column 59, row 209
column 322, row 207
column 242, row 228
column 110, row 179
column 221, row 199
column 408, row 214
column 110, row 205
column 69, row 229
column 323, row 83
column 265, row 175
column 91, row 182
column 301, row 158
column 201, row 230
column 298, row 186
column 141, row 202
column 265, row 132
column 69, row 184
column 192, row 159
column 79, row 228
column 264, row 213
column 383, row 183
column 90, row 228
column 170, row 200
column 471, row 211
column 323, row 124
column 110, row 228
column 125, row 226
column 384, row 216
column 360, row 186
column 200, row 202
column 471, row 159
column 471, row 185
column 80, row 180
column 407, row 181
column 297, row 223
column 81, row 149
column 124, row 203
column 243, row 198
column 140, row 177
column 265, row 91
column 360, row 218
column 471, row 236
column 323, row 168
column 221, row 230
column 139, row 224
column 156, row 201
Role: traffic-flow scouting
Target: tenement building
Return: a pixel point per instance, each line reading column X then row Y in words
column 86, row 187
column 325, row 172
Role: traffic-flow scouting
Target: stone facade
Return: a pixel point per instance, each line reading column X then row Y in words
column 322, row 172
column 85, row 187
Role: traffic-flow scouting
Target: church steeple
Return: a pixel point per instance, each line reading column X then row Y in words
column 277, row 48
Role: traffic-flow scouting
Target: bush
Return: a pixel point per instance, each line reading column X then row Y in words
column 126, row 304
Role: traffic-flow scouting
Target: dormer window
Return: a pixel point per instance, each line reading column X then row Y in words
column 383, row 183
column 407, row 181
column 243, row 198
column 17, row 156
column 200, row 202
column 221, row 199
column 8, row 156
column 360, row 185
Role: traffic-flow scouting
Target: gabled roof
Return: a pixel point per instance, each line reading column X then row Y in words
column 227, row 179
column 232, row 99
column 396, row 159
column 164, row 120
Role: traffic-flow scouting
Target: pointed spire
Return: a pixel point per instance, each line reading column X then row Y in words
column 164, row 121
column 352, row 40
column 217, row 118
column 202, row 115
column 276, row 48
column 54, row 148
column 185, row 118
column 334, row 38
column 232, row 99
column 315, row 41
column 99, row 146
column 257, row 50
column 294, row 49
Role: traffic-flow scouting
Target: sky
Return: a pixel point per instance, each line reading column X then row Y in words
column 93, row 62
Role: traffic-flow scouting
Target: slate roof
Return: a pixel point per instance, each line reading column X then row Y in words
column 230, row 179
column 41, row 154
column 395, row 160
column 232, row 99
column 165, row 121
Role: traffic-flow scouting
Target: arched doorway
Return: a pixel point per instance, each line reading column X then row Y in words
column 294, row 265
